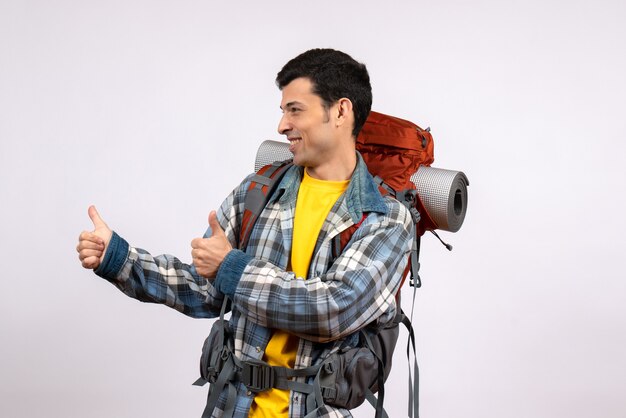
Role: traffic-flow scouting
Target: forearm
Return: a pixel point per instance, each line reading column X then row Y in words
column 162, row 279
column 165, row 279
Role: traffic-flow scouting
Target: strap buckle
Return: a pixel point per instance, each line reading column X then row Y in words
column 328, row 394
column 408, row 197
column 257, row 377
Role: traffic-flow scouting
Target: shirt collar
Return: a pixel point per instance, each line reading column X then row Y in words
column 362, row 195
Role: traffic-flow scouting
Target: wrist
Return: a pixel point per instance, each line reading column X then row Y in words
column 230, row 271
column 114, row 257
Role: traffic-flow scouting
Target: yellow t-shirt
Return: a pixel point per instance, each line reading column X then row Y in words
column 315, row 199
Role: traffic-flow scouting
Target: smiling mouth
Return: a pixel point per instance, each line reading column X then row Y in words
column 293, row 142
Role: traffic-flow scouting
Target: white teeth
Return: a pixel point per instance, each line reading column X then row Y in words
column 293, row 142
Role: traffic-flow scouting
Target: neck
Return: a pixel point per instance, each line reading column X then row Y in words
column 337, row 168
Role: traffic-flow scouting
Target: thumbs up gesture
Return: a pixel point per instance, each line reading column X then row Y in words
column 208, row 253
column 92, row 245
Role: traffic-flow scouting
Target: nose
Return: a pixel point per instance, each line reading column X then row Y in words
column 283, row 125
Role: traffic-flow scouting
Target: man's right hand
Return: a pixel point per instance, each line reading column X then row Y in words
column 93, row 245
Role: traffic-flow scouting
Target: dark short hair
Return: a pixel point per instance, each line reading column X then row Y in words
column 334, row 74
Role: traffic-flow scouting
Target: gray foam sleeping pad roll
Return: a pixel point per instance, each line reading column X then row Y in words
column 443, row 192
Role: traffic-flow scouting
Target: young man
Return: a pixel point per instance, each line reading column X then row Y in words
column 292, row 302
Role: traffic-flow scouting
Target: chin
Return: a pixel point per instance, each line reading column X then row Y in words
column 299, row 161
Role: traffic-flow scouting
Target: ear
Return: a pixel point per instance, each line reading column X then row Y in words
column 345, row 113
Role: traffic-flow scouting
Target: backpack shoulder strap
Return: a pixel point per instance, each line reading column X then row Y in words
column 341, row 240
column 261, row 189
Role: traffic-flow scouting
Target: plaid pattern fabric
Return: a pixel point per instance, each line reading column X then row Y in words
column 339, row 297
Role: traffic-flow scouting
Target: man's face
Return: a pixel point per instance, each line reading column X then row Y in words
column 306, row 123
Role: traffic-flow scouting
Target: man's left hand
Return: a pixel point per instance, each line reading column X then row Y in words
column 208, row 253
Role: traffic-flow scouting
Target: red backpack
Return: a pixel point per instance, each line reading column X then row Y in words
column 393, row 150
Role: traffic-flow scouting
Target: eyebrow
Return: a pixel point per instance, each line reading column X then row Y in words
column 292, row 104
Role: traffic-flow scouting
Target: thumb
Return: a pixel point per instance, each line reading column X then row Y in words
column 95, row 218
column 216, row 228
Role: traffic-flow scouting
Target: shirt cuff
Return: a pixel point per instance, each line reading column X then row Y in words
column 230, row 272
column 114, row 259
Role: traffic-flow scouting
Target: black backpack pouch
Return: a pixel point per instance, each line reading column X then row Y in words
column 215, row 351
column 347, row 375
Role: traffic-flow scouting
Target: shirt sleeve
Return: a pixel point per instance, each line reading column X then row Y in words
column 359, row 287
column 164, row 278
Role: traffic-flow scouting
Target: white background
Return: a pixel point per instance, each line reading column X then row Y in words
column 153, row 111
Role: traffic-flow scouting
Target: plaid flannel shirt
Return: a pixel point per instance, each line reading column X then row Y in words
column 339, row 297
